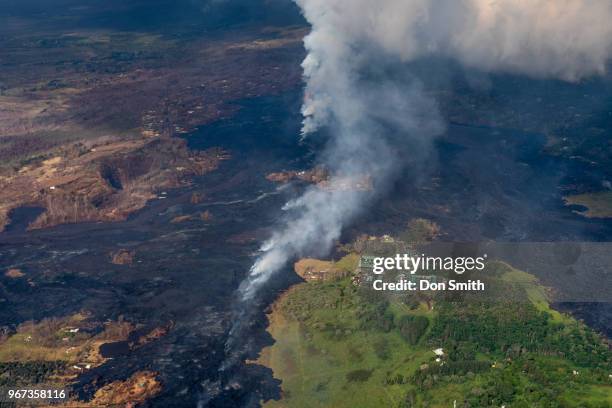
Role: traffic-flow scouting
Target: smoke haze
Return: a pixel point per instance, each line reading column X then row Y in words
column 359, row 88
column 565, row 39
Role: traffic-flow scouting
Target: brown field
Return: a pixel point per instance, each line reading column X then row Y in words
column 598, row 205
column 103, row 182
column 131, row 392
column 88, row 119
column 316, row 270
column 14, row 273
column 52, row 340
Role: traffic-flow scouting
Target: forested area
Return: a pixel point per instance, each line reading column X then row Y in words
column 28, row 373
column 518, row 353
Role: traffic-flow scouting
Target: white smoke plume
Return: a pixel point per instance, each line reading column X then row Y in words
column 565, row 39
column 366, row 126
column 378, row 119
column 350, row 39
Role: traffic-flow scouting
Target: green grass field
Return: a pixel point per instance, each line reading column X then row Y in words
column 341, row 346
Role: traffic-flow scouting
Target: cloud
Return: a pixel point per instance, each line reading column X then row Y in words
column 565, row 39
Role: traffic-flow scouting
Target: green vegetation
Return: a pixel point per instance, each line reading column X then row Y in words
column 56, row 349
column 599, row 205
column 28, row 373
column 412, row 328
column 348, row 263
column 340, row 345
